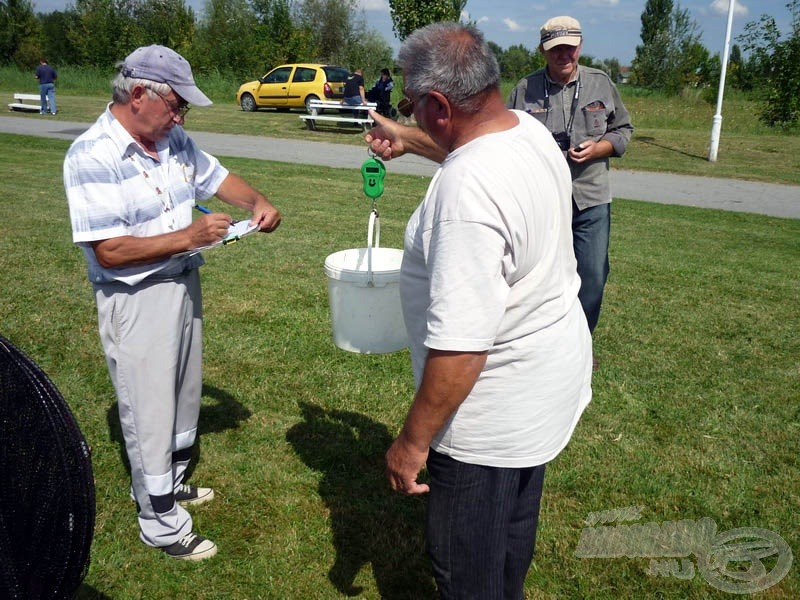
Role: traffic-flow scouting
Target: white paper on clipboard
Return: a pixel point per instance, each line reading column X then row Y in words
column 235, row 232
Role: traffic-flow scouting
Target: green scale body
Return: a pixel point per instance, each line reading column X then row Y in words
column 373, row 171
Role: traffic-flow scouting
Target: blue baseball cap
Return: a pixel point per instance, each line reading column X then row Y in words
column 164, row 65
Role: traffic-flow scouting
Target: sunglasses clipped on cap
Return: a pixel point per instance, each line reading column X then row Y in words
column 406, row 106
column 559, row 33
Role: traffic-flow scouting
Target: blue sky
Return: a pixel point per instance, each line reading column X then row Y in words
column 611, row 28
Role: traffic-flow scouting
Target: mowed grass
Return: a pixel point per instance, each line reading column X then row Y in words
column 695, row 411
column 673, row 133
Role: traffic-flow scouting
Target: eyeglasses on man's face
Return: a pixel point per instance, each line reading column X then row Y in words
column 178, row 109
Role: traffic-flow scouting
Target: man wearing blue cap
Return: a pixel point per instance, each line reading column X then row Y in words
column 131, row 182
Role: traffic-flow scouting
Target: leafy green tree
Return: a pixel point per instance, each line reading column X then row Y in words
column 371, row 53
column 333, row 27
column 165, row 22
column 340, row 35
column 735, row 62
column 758, row 38
column 611, row 67
column 103, row 31
column 56, row 46
column 409, row 15
column 19, row 34
column 237, row 38
column 283, row 42
column 692, row 68
column 670, row 56
column 686, row 55
column 650, row 60
column 496, row 49
column 775, row 64
column 588, row 60
column 226, row 40
column 518, row 61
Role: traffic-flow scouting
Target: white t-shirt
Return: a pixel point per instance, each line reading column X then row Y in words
column 488, row 265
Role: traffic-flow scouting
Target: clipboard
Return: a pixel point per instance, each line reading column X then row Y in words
column 235, row 232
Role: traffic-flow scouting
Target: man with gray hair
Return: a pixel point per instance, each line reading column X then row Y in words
column 500, row 349
column 583, row 110
column 132, row 180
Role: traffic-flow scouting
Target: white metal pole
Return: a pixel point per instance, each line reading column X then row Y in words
column 716, row 124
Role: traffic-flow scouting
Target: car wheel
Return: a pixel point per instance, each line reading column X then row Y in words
column 248, row 103
column 309, row 99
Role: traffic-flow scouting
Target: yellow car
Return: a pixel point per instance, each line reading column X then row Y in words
column 293, row 86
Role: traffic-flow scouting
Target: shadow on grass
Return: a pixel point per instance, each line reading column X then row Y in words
column 87, row 592
column 646, row 139
column 371, row 525
column 224, row 413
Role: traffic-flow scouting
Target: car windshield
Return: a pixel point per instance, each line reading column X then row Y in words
column 336, row 73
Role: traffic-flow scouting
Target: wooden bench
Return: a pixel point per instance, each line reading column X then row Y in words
column 317, row 107
column 20, row 99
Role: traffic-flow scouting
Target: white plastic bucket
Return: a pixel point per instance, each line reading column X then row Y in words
column 364, row 295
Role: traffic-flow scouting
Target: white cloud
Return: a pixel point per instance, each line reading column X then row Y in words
column 376, row 5
column 466, row 18
column 720, row 7
column 513, row 25
column 603, row 3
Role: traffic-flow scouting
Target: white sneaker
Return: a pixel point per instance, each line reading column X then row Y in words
column 187, row 495
column 191, row 547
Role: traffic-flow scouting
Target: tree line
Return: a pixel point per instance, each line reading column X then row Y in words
column 671, row 58
column 236, row 38
column 242, row 38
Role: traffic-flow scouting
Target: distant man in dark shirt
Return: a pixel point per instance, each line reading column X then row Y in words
column 47, row 87
column 354, row 94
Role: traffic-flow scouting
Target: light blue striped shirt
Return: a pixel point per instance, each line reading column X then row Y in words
column 115, row 189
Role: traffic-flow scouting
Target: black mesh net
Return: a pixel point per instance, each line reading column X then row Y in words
column 47, row 502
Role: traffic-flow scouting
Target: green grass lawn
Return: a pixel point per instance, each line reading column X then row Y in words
column 672, row 133
column 695, row 411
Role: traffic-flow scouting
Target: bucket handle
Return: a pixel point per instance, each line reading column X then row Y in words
column 373, row 227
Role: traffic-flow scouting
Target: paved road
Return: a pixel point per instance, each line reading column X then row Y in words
column 725, row 194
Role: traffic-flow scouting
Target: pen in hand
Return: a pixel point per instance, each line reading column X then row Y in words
column 205, row 210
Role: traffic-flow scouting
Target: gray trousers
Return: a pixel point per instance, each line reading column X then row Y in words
column 152, row 338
